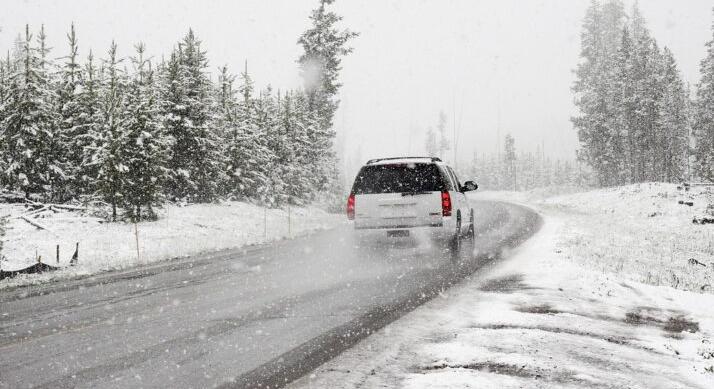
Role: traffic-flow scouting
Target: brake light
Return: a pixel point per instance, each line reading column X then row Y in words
column 351, row 207
column 445, row 203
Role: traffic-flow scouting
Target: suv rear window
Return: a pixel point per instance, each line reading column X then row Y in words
column 399, row 178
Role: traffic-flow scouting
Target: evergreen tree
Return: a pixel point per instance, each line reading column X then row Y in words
column 55, row 148
column 5, row 72
column 225, row 122
column 248, row 153
column 291, row 152
column 146, row 147
column 324, row 46
column 703, row 128
column 87, row 135
column 509, row 161
column 626, row 117
column 108, row 154
column 4, row 81
column 268, row 126
column 4, row 93
column 674, row 122
column 196, row 162
column 431, row 146
column 28, row 121
column 443, row 138
column 70, row 126
column 595, row 88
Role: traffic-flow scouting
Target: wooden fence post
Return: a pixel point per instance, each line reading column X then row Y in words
column 75, row 256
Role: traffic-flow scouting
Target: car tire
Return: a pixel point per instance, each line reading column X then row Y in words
column 456, row 240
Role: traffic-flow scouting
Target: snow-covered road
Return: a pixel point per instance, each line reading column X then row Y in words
column 236, row 318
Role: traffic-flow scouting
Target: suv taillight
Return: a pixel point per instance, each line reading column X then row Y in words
column 445, row 203
column 351, row 207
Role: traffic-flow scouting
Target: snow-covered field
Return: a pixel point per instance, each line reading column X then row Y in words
column 641, row 232
column 180, row 231
column 603, row 296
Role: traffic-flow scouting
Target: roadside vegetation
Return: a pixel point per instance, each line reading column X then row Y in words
column 134, row 133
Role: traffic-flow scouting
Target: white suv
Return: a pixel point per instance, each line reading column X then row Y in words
column 400, row 195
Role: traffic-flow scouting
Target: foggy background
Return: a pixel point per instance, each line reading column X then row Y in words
column 497, row 67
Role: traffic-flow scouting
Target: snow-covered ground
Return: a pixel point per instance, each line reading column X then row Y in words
column 604, row 295
column 641, row 232
column 180, row 231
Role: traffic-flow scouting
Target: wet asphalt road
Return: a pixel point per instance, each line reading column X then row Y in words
column 259, row 317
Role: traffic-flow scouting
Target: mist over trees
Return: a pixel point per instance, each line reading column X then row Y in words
column 511, row 169
column 437, row 142
column 635, row 114
column 134, row 132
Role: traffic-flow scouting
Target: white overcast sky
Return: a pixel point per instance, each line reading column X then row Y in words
column 412, row 59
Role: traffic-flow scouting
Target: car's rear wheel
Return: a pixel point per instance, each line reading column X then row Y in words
column 471, row 233
column 456, row 240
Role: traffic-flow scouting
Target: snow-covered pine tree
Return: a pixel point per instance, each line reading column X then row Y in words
column 430, row 144
column 641, row 83
column 4, row 97
column 28, row 123
column 595, row 88
column 443, row 137
column 269, row 127
column 70, row 126
column 55, row 147
column 291, row 140
column 108, row 152
column 225, row 122
column 196, row 163
column 324, row 45
column 653, row 150
column 509, row 161
column 173, row 112
column 626, row 103
column 88, row 135
column 673, row 121
column 703, row 128
column 249, row 158
column 314, row 149
column 4, row 82
column 309, row 171
column 145, row 147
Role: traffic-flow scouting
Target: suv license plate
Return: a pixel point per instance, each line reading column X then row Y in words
column 398, row 233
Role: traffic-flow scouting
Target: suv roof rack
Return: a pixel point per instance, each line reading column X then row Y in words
column 433, row 159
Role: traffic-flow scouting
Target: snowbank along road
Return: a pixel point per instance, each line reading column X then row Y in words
column 244, row 318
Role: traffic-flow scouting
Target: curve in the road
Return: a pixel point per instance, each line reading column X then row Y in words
column 518, row 222
column 260, row 317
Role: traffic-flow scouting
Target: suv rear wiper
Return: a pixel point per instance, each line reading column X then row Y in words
column 415, row 193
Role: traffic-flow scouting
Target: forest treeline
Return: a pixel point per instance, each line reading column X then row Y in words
column 135, row 132
column 636, row 121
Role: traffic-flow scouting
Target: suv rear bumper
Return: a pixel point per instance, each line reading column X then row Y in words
column 389, row 234
column 398, row 227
